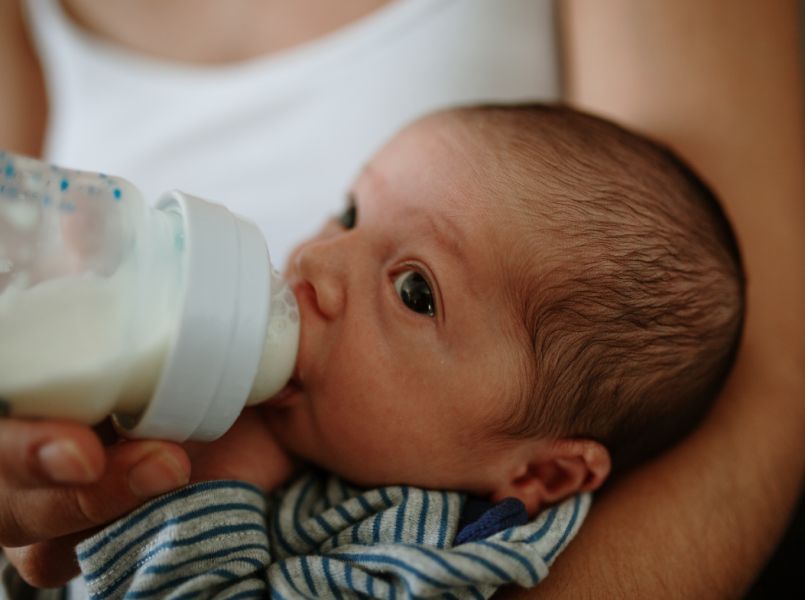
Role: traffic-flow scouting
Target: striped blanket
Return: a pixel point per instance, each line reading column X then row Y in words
column 317, row 538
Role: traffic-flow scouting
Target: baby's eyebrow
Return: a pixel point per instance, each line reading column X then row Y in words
column 448, row 235
column 444, row 230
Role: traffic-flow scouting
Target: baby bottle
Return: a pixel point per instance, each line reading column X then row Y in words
column 169, row 318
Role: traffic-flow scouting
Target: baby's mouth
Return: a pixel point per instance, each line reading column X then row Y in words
column 285, row 396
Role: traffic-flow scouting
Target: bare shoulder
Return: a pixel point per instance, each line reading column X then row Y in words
column 23, row 105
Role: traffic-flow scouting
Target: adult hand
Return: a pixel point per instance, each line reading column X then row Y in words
column 54, row 496
column 57, row 482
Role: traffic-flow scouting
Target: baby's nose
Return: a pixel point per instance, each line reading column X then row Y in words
column 319, row 265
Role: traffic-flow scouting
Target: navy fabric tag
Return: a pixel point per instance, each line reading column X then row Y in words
column 481, row 519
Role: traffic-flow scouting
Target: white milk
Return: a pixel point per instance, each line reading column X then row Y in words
column 170, row 318
column 66, row 350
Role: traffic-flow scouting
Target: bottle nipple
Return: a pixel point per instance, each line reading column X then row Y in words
column 282, row 342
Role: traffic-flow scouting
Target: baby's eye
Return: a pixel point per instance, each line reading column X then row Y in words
column 348, row 218
column 415, row 292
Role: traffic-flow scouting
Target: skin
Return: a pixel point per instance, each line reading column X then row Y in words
column 662, row 67
column 721, row 82
column 233, row 31
column 73, row 491
column 412, row 392
column 431, row 385
column 42, row 519
column 387, row 394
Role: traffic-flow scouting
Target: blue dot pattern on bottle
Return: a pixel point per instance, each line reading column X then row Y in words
column 10, row 191
column 26, row 179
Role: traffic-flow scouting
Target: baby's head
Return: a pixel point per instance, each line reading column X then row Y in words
column 516, row 301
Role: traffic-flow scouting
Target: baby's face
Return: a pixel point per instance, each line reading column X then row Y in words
column 408, row 352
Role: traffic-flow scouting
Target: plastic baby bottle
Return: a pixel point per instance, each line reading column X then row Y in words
column 169, row 318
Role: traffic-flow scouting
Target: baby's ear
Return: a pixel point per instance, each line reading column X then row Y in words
column 553, row 471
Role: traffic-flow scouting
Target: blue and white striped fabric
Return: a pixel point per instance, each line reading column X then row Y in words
column 317, row 538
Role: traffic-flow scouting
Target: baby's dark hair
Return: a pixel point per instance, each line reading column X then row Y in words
column 633, row 297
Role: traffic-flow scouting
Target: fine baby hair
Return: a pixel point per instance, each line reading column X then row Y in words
column 634, row 289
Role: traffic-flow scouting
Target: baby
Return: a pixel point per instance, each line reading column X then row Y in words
column 514, row 299
column 516, row 302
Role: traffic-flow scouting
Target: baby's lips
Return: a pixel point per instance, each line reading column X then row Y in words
column 313, row 330
column 284, row 396
column 296, row 376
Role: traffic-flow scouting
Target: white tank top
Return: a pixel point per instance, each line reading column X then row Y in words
column 279, row 138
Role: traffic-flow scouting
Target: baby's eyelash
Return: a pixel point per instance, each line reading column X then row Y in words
column 349, row 217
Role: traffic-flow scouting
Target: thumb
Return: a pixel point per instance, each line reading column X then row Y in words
column 135, row 471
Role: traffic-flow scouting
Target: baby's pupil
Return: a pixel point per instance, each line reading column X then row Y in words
column 416, row 294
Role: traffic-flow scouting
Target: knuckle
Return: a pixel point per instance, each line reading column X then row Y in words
column 72, row 509
column 79, row 510
column 90, row 509
column 12, row 532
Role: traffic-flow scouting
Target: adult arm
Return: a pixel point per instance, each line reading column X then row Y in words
column 720, row 82
column 22, row 95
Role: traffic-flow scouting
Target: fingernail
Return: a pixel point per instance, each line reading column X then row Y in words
column 63, row 462
column 156, row 474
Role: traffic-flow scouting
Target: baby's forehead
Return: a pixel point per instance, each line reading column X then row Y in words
column 434, row 184
column 441, row 170
column 451, row 172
